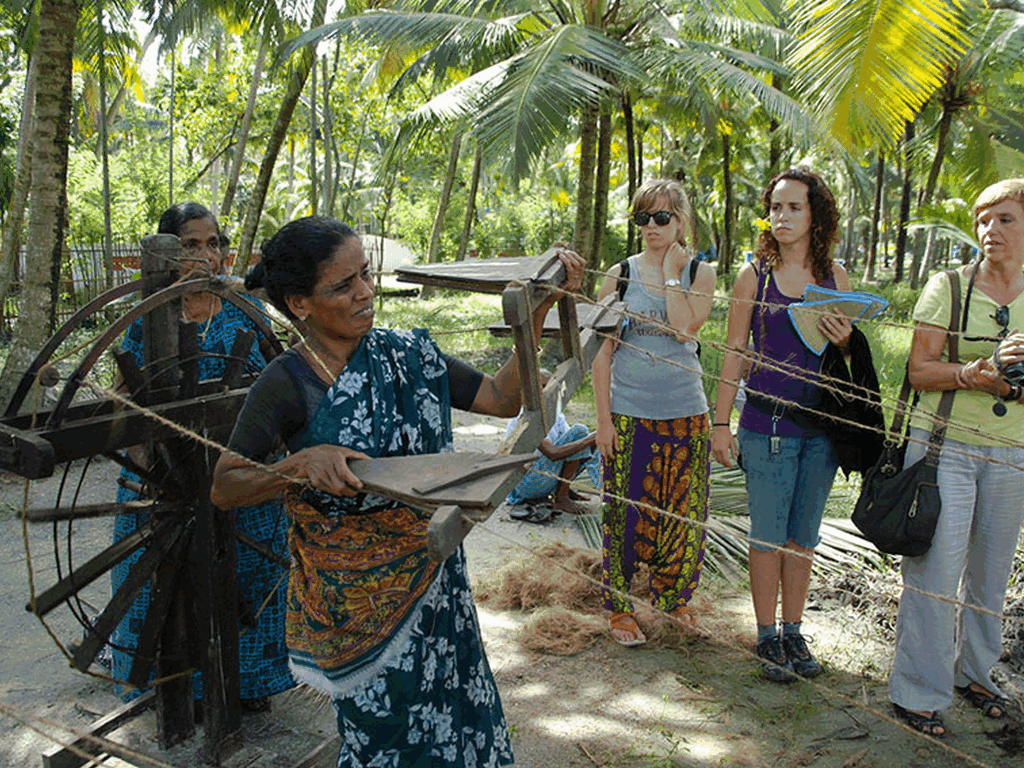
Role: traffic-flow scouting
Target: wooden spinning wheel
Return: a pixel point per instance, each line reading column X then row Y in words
column 187, row 547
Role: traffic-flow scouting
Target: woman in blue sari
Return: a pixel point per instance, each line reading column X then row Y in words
column 263, row 661
column 390, row 635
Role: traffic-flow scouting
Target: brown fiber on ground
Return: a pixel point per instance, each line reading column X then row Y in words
column 566, row 581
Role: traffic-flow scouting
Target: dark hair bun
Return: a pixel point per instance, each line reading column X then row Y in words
column 255, row 278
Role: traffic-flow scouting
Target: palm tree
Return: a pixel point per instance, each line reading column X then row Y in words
column 58, row 20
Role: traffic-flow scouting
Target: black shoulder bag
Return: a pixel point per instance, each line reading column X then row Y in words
column 898, row 509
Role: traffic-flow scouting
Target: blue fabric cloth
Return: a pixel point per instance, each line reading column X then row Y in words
column 540, row 481
column 262, row 654
column 389, row 634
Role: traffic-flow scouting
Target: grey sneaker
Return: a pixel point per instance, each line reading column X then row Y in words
column 804, row 664
column 777, row 667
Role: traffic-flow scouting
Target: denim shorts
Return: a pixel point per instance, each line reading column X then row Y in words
column 787, row 490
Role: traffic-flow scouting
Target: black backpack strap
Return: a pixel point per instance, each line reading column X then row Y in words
column 694, row 264
column 623, row 281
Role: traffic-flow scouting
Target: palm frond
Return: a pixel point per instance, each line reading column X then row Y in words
column 867, row 66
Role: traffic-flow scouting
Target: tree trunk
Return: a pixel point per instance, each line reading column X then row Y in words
column 627, row 117
column 51, row 126
column 108, row 237
column 467, row 222
column 243, row 133
column 725, row 252
column 296, row 83
column 584, row 232
column 775, row 136
column 901, row 235
column 328, row 186
column 22, row 180
column 869, row 268
column 314, row 202
column 604, row 165
column 850, row 249
column 941, row 140
column 170, row 142
column 434, row 254
column 354, row 162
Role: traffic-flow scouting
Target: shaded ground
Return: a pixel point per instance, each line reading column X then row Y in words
column 700, row 703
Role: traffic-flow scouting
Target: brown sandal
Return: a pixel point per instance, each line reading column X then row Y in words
column 626, row 622
column 684, row 615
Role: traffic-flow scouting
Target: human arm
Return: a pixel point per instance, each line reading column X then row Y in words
column 610, row 282
column 741, row 313
column 276, row 410
column 929, row 372
column 687, row 309
column 501, row 394
column 601, row 376
column 561, row 452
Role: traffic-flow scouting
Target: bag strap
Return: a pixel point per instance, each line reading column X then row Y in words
column 941, row 421
column 623, row 281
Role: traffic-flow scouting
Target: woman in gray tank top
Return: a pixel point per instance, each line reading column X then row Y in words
column 652, row 416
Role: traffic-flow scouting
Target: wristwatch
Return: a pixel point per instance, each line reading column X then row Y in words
column 672, row 283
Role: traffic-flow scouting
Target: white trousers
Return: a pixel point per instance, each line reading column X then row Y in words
column 938, row 644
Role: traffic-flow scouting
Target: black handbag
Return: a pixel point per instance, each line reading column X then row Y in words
column 898, row 509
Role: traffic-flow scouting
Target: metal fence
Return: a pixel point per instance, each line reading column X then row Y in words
column 83, row 277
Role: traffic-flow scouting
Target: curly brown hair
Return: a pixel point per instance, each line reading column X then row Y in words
column 824, row 223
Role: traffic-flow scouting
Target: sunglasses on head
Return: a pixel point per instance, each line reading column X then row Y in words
column 661, row 218
column 1002, row 317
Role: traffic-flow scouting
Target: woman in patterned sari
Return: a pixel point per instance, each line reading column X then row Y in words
column 652, row 416
column 389, row 634
column 263, row 658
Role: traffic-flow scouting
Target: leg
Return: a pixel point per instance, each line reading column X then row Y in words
column 796, row 577
column 765, row 576
column 673, row 543
column 619, row 519
column 562, row 500
column 922, row 672
column 997, row 521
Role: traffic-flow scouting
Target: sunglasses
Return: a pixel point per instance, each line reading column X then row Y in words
column 1002, row 317
column 661, row 218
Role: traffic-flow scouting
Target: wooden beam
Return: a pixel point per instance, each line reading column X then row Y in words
column 59, row 756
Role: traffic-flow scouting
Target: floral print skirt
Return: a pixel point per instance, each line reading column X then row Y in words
column 435, row 703
column 661, row 464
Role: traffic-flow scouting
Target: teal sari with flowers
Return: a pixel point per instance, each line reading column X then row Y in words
column 390, row 635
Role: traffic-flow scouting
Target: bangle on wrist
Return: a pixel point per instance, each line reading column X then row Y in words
column 1016, row 390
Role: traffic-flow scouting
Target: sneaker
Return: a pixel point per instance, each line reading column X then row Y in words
column 778, row 668
column 804, row 664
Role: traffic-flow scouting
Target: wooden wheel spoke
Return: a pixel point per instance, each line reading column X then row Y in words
column 165, row 582
column 262, row 549
column 121, row 601
column 83, row 511
column 84, row 575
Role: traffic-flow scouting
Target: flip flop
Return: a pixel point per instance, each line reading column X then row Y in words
column 626, row 622
column 533, row 513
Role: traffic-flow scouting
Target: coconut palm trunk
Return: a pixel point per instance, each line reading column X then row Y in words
column 51, row 125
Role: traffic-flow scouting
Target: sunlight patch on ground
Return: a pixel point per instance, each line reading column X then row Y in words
column 499, row 621
column 529, row 691
column 479, row 430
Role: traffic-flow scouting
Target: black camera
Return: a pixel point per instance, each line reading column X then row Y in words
column 1013, row 373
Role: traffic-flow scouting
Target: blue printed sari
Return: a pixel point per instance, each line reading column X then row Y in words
column 390, row 635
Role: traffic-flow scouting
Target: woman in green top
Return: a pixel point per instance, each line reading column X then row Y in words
column 939, row 648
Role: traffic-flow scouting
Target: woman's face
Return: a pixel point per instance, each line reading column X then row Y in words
column 1001, row 231
column 341, row 304
column 790, row 213
column 200, row 248
column 660, row 236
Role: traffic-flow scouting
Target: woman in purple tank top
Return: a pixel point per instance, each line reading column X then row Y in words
column 789, row 466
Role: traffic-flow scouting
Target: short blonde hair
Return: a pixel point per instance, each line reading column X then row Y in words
column 1008, row 189
column 649, row 192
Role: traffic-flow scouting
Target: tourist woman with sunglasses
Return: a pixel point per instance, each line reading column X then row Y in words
column 789, row 464
column 981, row 483
column 652, row 415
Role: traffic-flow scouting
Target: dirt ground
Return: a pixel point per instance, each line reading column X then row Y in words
column 700, row 703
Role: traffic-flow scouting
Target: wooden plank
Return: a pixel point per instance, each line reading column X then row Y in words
column 589, row 316
column 485, row 275
column 324, row 755
column 59, row 756
column 395, row 477
column 447, row 528
column 26, row 453
column 188, row 355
